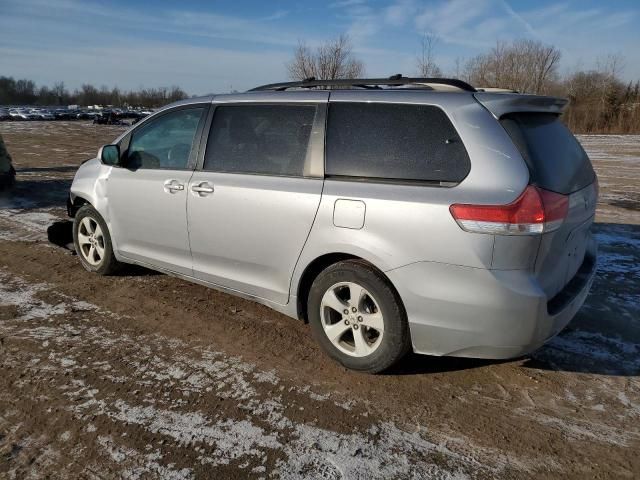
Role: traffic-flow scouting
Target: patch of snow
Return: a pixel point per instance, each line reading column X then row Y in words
column 232, row 439
column 19, row 293
column 266, row 377
column 67, row 362
column 26, row 224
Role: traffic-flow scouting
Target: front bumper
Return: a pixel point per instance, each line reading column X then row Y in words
column 472, row 312
column 72, row 207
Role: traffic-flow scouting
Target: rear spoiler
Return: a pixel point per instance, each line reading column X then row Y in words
column 500, row 104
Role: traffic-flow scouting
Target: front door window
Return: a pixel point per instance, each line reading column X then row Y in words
column 166, row 142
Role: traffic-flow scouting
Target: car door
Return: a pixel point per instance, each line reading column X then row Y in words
column 147, row 196
column 254, row 197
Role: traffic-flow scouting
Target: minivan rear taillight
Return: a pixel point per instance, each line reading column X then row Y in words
column 535, row 211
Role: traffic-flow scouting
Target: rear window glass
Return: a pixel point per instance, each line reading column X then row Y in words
column 391, row 141
column 555, row 158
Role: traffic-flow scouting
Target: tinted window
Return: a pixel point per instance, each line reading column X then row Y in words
column 556, row 160
column 406, row 142
column 165, row 142
column 263, row 139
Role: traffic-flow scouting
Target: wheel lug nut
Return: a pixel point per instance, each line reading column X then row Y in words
column 346, row 312
column 355, row 326
column 346, row 322
column 359, row 319
column 354, row 309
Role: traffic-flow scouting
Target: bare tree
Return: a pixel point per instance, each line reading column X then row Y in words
column 599, row 100
column 524, row 65
column 612, row 65
column 59, row 92
column 329, row 61
column 458, row 68
column 427, row 66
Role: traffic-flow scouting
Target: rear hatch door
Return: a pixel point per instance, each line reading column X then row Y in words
column 558, row 163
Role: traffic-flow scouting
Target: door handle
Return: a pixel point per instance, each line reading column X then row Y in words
column 202, row 189
column 172, row 186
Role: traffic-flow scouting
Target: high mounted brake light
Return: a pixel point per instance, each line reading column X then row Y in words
column 536, row 211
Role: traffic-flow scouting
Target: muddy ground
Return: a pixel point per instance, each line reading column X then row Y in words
column 146, row 376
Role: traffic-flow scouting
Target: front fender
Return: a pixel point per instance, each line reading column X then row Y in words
column 89, row 184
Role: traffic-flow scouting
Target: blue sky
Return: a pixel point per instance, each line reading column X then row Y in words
column 213, row 46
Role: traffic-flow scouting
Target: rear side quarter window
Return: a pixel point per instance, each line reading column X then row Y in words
column 394, row 142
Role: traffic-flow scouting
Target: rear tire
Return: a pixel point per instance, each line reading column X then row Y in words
column 92, row 242
column 367, row 333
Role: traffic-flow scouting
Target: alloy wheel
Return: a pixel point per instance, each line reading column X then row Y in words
column 352, row 319
column 91, row 241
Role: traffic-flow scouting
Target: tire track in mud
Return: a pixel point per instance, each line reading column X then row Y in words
column 143, row 404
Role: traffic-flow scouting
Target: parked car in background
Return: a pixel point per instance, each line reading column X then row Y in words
column 85, row 115
column 391, row 214
column 19, row 114
column 63, row 114
column 41, row 114
column 108, row 118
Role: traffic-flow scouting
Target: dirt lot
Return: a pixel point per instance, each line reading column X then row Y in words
column 144, row 376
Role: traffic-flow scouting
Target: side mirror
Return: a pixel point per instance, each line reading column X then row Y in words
column 110, row 155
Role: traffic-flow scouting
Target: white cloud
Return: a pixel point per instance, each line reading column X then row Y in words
column 346, row 3
column 518, row 18
column 454, row 21
column 399, row 13
column 68, row 16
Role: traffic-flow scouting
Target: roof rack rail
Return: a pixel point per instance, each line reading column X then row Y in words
column 371, row 83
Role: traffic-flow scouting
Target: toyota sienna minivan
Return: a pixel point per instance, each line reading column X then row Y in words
column 391, row 214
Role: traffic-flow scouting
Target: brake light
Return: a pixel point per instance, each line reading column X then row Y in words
column 535, row 211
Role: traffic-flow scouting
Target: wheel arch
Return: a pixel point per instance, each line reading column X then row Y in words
column 316, row 266
column 80, row 198
column 73, row 205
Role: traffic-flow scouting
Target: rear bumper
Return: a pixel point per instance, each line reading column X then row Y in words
column 471, row 312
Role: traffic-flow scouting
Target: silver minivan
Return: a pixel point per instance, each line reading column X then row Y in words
column 391, row 214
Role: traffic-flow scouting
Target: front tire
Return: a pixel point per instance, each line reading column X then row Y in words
column 357, row 317
column 92, row 242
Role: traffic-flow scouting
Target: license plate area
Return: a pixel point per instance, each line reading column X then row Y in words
column 575, row 249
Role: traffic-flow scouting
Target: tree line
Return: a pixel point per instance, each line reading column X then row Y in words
column 600, row 101
column 25, row 92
